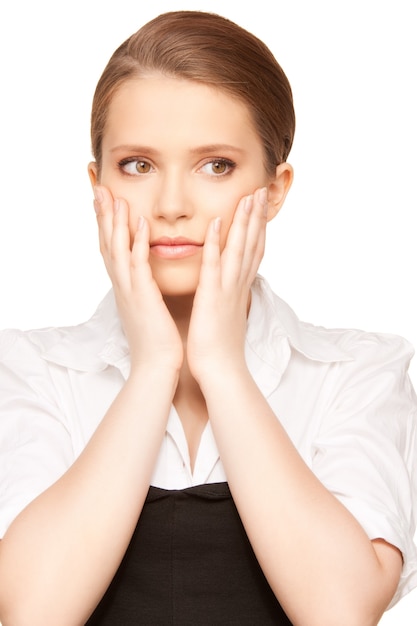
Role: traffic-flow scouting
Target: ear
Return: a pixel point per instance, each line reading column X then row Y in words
column 278, row 188
column 93, row 173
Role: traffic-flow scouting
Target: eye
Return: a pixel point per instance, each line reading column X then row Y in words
column 218, row 167
column 134, row 166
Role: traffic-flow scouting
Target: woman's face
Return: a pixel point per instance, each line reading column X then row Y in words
column 180, row 153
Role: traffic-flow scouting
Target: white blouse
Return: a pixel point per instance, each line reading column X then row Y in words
column 343, row 396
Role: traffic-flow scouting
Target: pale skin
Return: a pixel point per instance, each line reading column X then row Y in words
column 181, row 159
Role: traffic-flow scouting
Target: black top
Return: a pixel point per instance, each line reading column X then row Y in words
column 189, row 563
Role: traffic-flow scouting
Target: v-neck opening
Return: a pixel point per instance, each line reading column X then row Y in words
column 206, row 454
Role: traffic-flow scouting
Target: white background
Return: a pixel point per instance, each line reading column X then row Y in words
column 343, row 250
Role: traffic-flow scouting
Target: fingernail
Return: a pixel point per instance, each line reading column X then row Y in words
column 217, row 224
column 98, row 194
column 116, row 205
column 96, row 206
column 141, row 222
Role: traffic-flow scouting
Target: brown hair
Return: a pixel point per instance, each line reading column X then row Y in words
column 207, row 48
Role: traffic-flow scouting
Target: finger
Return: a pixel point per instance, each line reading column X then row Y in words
column 234, row 251
column 103, row 205
column 211, row 257
column 140, row 267
column 120, row 244
column 255, row 237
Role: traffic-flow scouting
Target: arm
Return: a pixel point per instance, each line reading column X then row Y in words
column 60, row 554
column 309, row 546
column 315, row 555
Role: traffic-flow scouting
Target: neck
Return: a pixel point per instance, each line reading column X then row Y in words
column 180, row 308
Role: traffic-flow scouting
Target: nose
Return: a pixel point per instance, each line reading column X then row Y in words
column 172, row 202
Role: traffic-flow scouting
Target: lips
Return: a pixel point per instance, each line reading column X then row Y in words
column 174, row 247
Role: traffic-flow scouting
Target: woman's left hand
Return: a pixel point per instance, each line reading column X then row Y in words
column 216, row 336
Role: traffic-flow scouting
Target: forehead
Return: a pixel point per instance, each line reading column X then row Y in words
column 173, row 110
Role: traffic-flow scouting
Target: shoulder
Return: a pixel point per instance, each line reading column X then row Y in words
column 24, row 373
column 15, row 344
column 76, row 347
column 26, row 349
column 319, row 343
column 363, row 346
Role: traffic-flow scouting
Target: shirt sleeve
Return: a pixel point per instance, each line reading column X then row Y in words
column 35, row 445
column 366, row 450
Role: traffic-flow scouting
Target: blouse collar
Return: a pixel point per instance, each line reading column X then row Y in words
column 273, row 330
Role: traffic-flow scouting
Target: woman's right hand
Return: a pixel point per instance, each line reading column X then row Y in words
column 61, row 552
column 151, row 332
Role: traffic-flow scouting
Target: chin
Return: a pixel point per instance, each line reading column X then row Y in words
column 177, row 283
column 177, row 290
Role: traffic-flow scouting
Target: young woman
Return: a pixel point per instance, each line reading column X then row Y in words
column 194, row 454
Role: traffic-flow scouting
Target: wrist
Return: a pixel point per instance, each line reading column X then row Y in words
column 158, row 363
column 154, row 372
column 213, row 376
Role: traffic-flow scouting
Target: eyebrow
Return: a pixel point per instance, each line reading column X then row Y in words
column 213, row 148
column 216, row 148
